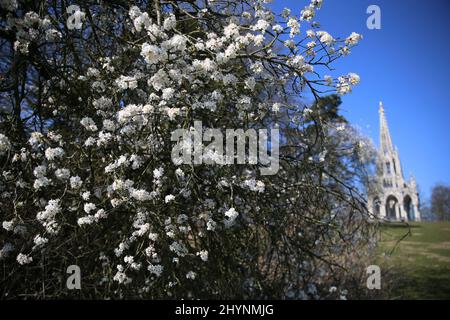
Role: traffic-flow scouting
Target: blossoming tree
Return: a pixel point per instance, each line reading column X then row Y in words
column 88, row 100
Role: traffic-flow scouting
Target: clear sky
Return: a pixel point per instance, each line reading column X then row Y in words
column 406, row 64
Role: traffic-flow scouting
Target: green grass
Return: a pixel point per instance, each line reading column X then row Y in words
column 418, row 265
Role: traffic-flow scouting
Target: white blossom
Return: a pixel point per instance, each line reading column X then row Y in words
column 88, row 124
column 53, row 153
column 5, row 144
column 231, row 216
column 203, row 255
column 155, row 269
column 39, row 240
column 24, row 259
column 75, row 182
column 353, row 39
column 62, row 174
column 169, row 198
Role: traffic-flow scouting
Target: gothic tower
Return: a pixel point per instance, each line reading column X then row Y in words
column 393, row 198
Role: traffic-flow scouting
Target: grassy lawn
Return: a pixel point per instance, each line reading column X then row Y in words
column 420, row 263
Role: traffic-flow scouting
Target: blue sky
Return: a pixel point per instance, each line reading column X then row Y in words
column 406, row 64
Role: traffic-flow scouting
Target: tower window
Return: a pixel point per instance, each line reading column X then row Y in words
column 388, row 167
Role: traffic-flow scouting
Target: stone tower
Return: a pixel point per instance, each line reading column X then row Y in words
column 393, row 198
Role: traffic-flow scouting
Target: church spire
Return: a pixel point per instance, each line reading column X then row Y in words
column 393, row 198
column 385, row 137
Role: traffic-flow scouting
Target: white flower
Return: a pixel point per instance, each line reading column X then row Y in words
column 51, row 210
column 40, row 171
column 88, row 207
column 75, row 182
column 177, row 42
column 88, row 124
column 86, row 195
column 85, row 220
column 153, row 54
column 158, row 173
column 125, row 82
column 254, row 185
column 353, row 78
column 211, row 225
column 39, row 240
column 108, row 125
column 153, row 236
column 172, row 112
column 155, row 269
column 129, row 113
column 41, row 182
column 353, row 39
column 128, row 259
column 179, row 248
column 100, row 214
column 261, row 25
column 36, row 138
column 277, row 28
column 325, row 38
column 142, row 21
column 53, row 153
column 179, row 173
column 8, row 225
column 231, row 31
column 170, row 22
column 294, row 25
column 231, row 214
column 310, row 33
column 134, row 12
column 169, row 198
column 102, row 103
column 343, row 87
column 23, row 259
column 203, row 255
column 191, row 275
column 168, row 93
column 307, row 13
column 5, row 145
column 121, row 277
column 276, row 107
column 136, row 162
column 62, row 174
column 89, row 142
column 141, row 195
column 206, row 65
column 259, row 40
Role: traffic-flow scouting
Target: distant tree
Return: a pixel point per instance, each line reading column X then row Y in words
column 440, row 201
column 425, row 209
column 425, row 206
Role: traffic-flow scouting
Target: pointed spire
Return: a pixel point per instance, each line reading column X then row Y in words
column 381, row 107
column 412, row 180
column 385, row 137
